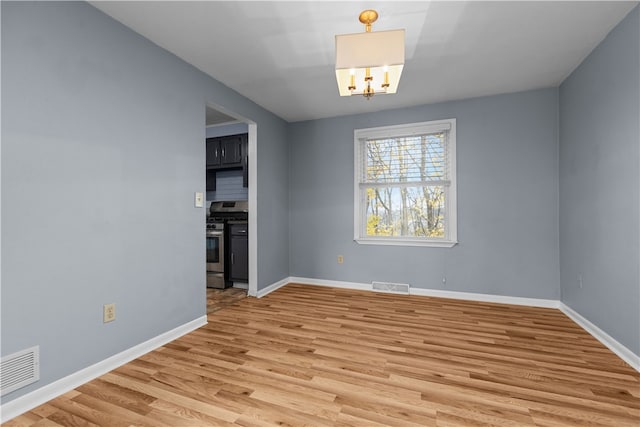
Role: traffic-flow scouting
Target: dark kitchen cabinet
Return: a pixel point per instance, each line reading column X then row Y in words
column 227, row 152
column 232, row 149
column 213, row 152
column 239, row 252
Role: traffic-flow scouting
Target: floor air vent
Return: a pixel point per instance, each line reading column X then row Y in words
column 19, row 369
column 396, row 288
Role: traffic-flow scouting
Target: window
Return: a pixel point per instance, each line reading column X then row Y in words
column 405, row 184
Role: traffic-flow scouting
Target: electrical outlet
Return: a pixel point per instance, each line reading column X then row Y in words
column 340, row 259
column 444, row 280
column 580, row 281
column 108, row 313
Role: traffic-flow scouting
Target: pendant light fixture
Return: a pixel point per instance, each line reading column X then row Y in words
column 371, row 62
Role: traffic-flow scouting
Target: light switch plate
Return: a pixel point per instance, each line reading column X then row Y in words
column 199, row 199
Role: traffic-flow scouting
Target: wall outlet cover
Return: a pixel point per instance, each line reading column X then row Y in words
column 108, row 313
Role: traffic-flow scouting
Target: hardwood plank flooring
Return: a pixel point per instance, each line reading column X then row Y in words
column 317, row 356
column 220, row 298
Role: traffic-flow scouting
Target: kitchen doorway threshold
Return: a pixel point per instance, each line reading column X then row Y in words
column 218, row 299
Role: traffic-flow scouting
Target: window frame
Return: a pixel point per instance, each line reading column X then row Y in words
column 360, row 137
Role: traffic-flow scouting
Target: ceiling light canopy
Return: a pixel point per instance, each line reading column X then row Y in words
column 371, row 62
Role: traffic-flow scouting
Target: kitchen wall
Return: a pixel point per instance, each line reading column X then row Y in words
column 507, row 159
column 228, row 187
column 600, row 185
column 102, row 151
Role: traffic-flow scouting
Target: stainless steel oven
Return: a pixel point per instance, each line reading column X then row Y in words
column 218, row 262
column 215, row 255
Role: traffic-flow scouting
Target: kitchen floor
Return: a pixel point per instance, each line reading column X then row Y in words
column 221, row 298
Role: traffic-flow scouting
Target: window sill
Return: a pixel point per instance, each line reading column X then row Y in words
column 407, row 242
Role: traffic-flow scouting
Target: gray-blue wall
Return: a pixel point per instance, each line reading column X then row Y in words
column 507, row 160
column 102, row 151
column 599, row 185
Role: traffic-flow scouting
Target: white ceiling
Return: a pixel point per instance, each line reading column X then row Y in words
column 215, row 117
column 280, row 54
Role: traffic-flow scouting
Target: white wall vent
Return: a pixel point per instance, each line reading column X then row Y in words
column 19, row 369
column 395, row 288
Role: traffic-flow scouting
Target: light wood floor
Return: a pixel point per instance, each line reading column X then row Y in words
column 218, row 299
column 317, row 356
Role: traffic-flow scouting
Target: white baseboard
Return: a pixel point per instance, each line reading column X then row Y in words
column 500, row 299
column 272, row 287
column 331, row 283
column 611, row 343
column 533, row 302
column 50, row 391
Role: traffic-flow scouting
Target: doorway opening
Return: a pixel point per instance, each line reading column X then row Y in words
column 235, row 181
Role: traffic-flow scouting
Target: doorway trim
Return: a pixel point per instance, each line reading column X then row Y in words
column 253, row 209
